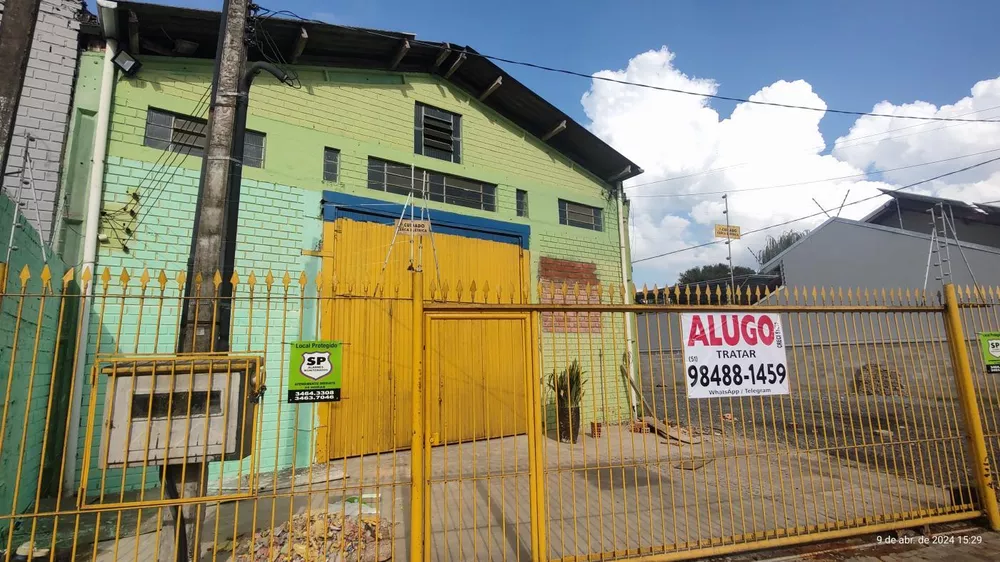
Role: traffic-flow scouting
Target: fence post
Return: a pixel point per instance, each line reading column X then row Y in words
column 417, row 452
column 536, row 444
column 970, row 408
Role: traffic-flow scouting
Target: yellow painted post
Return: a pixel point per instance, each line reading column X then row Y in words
column 417, row 452
column 970, row 408
column 536, row 457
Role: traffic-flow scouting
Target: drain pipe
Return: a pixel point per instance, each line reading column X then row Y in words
column 623, row 250
column 94, row 193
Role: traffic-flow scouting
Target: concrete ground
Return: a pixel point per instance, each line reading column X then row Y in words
column 623, row 494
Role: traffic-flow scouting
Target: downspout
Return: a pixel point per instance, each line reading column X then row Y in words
column 623, row 250
column 93, row 217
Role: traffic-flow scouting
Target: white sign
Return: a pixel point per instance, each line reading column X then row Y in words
column 407, row 226
column 316, row 365
column 734, row 354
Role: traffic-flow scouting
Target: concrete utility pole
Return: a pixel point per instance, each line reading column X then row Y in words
column 210, row 215
column 16, row 31
column 207, row 245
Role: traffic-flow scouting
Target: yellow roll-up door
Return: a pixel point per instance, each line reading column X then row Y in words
column 366, row 305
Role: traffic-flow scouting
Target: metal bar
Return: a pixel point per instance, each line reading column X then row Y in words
column 637, row 308
column 418, row 482
column 970, row 408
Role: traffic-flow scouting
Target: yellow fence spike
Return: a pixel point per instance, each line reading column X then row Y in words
column 67, row 277
column 144, row 278
column 303, row 280
column 86, row 275
column 124, row 278
column 269, row 279
column 46, row 277
column 486, row 289
column 234, row 280
column 251, row 279
column 473, row 291
column 106, row 278
column 198, row 279
column 319, row 281
column 161, row 279
column 217, row 279
column 25, row 275
column 181, row 280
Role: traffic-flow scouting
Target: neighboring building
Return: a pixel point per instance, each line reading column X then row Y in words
column 890, row 248
column 518, row 194
column 43, row 111
column 887, row 250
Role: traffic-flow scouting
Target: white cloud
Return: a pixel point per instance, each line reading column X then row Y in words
column 683, row 139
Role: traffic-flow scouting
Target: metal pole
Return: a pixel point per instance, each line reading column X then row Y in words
column 417, row 451
column 970, row 408
column 729, row 244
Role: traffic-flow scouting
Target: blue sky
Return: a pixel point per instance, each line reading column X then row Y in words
column 916, row 57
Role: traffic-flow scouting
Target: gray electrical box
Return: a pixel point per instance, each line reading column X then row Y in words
column 178, row 409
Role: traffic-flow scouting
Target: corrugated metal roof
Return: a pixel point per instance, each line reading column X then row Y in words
column 158, row 27
column 916, row 202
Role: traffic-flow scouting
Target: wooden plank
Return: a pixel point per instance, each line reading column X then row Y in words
column 675, row 433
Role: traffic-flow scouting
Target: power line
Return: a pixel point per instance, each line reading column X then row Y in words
column 785, row 223
column 853, row 176
column 647, row 86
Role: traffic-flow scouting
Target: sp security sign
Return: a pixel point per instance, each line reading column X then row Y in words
column 314, row 371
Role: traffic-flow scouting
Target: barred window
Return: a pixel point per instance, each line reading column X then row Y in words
column 437, row 133
column 401, row 179
column 522, row 203
column 187, row 135
column 582, row 216
column 331, row 164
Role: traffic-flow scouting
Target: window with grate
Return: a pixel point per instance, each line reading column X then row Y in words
column 253, row 149
column 331, row 164
column 437, row 133
column 187, row 135
column 582, row 216
column 396, row 178
column 522, row 203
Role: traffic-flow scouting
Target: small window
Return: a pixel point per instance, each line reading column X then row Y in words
column 402, row 179
column 522, row 203
column 331, row 164
column 437, row 133
column 187, row 135
column 391, row 177
column 253, row 149
column 582, row 216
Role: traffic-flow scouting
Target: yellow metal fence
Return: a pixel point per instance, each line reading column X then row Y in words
column 890, row 422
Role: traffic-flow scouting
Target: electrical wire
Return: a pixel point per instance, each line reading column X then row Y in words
column 651, row 86
column 785, row 223
column 853, row 176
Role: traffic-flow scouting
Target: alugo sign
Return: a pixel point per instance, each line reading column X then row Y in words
column 728, row 354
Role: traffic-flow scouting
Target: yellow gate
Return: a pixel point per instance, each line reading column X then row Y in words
column 366, row 272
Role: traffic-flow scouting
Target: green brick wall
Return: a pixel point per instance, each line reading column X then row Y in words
column 280, row 207
column 29, row 326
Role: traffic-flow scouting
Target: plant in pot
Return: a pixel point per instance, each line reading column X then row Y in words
column 568, row 389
